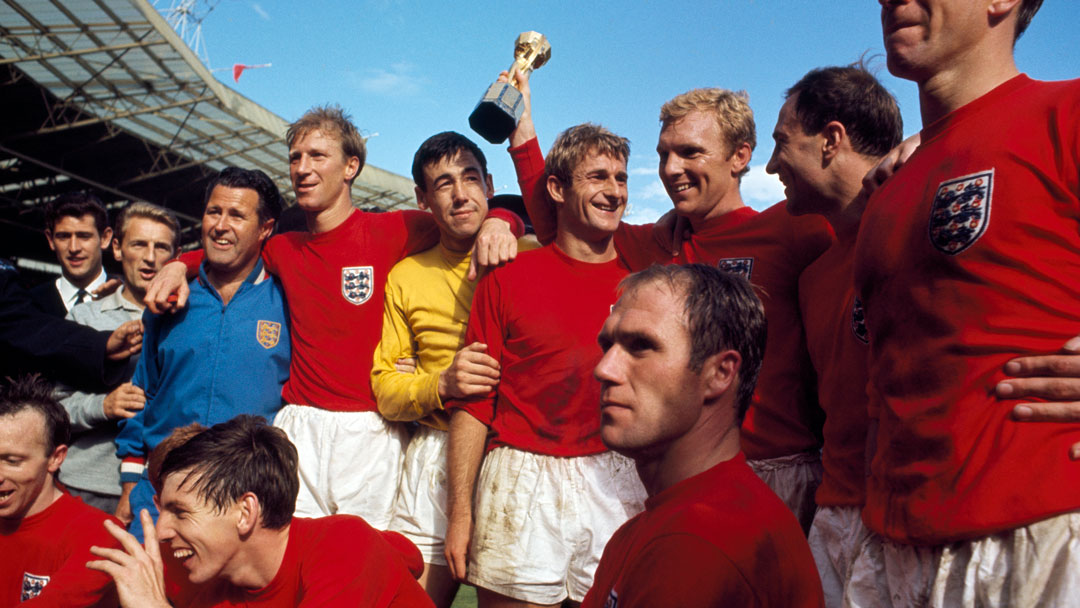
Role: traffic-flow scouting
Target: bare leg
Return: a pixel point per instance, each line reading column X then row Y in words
column 439, row 585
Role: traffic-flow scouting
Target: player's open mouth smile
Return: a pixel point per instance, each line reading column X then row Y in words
column 5, row 495
column 608, row 208
column 183, row 554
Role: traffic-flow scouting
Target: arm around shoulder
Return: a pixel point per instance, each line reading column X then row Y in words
column 400, row 396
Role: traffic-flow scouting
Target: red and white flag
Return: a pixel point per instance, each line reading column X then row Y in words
column 238, row 68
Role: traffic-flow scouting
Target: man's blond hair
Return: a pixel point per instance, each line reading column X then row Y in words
column 331, row 120
column 148, row 211
column 731, row 109
column 575, row 143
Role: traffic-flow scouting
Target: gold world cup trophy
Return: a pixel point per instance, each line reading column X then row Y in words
column 499, row 110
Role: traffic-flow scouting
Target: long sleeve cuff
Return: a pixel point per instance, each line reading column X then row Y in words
column 131, row 469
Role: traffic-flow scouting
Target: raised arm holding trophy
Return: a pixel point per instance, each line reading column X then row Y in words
column 495, row 117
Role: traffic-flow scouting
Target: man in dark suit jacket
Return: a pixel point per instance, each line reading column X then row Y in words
column 77, row 228
column 77, row 355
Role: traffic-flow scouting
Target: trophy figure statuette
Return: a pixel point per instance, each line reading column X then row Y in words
column 499, row 110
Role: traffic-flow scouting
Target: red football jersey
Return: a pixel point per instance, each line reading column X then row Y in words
column 539, row 318
column 838, row 342
column 44, row 559
column 720, row 538
column 334, row 561
column 968, row 257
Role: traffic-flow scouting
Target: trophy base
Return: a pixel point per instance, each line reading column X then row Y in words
column 498, row 112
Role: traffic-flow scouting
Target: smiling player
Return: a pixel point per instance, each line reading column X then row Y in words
column 45, row 534
column 428, row 298
column 228, row 536
column 538, row 318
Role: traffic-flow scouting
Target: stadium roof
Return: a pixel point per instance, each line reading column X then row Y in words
column 104, row 95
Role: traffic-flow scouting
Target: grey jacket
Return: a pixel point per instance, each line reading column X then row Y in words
column 91, row 463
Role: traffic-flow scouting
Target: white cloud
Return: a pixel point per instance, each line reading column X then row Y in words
column 260, row 11
column 643, row 171
column 651, row 191
column 639, row 213
column 398, row 81
column 648, row 202
column 761, row 190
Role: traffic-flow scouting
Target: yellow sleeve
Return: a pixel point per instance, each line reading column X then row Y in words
column 400, row 396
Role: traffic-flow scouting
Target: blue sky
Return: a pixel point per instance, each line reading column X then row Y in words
column 406, row 69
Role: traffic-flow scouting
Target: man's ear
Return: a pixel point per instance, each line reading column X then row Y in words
column 555, row 190
column 248, row 513
column 48, row 237
column 490, row 186
column 117, row 254
column 1000, row 8
column 720, row 374
column 832, row 135
column 266, row 230
column 352, row 168
column 740, row 157
column 106, row 238
column 57, row 458
column 420, row 201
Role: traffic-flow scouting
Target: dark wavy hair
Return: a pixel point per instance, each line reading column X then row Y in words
column 270, row 201
column 852, row 96
column 232, row 458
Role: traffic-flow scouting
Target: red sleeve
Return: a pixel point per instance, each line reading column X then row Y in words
column 529, row 165
column 421, row 232
column 74, row 584
column 486, row 327
column 637, row 247
column 409, row 554
column 270, row 259
column 352, row 565
column 192, row 259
